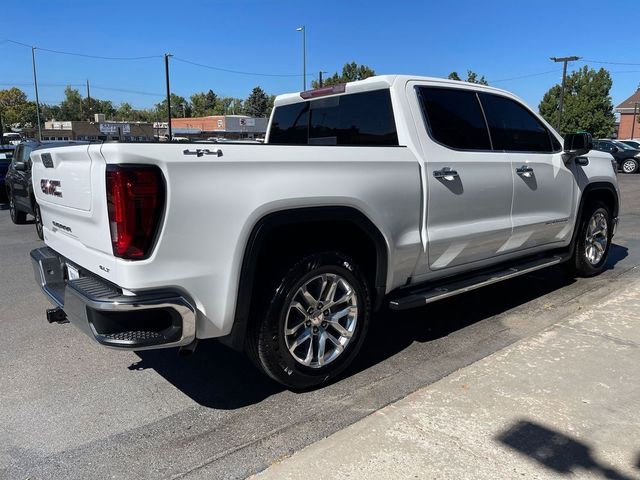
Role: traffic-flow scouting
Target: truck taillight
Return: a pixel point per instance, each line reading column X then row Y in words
column 135, row 202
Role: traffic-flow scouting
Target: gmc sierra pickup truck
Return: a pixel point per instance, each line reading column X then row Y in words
column 394, row 191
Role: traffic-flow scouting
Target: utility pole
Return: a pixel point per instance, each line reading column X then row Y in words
column 320, row 79
column 89, row 99
column 35, row 83
column 304, row 56
column 166, row 73
column 564, row 60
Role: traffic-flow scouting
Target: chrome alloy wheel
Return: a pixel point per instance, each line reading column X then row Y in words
column 596, row 238
column 629, row 166
column 321, row 320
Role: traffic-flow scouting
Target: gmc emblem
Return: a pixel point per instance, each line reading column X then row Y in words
column 51, row 187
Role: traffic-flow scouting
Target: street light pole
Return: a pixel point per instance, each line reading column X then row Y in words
column 35, row 83
column 166, row 73
column 304, row 56
column 564, row 60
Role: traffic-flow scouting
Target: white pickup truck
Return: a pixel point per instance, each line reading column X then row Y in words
column 395, row 191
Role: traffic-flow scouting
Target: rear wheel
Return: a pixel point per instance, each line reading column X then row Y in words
column 315, row 322
column 630, row 165
column 17, row 217
column 593, row 240
column 38, row 221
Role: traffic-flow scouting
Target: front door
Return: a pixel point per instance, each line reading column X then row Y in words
column 543, row 190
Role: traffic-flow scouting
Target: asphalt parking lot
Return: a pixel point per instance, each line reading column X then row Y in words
column 71, row 409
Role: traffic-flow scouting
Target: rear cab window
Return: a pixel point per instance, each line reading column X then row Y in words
column 354, row 119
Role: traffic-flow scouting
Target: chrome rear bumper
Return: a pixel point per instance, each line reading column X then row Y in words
column 146, row 320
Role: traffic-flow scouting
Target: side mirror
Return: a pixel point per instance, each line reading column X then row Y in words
column 20, row 166
column 577, row 143
column 614, row 149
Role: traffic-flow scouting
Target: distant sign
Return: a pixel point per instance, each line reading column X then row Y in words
column 61, row 125
column 112, row 128
column 160, row 124
column 247, row 122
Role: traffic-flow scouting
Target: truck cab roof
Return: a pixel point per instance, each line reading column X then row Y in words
column 379, row 82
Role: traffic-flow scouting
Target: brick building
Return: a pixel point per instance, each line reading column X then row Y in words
column 629, row 111
column 225, row 126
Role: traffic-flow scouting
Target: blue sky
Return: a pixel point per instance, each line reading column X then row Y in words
column 499, row 39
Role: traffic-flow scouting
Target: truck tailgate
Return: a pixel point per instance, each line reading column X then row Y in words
column 69, row 186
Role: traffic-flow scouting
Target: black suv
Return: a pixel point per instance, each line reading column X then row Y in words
column 6, row 152
column 22, row 201
column 628, row 158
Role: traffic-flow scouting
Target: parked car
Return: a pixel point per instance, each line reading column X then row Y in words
column 627, row 158
column 18, row 185
column 6, row 152
column 632, row 143
column 393, row 190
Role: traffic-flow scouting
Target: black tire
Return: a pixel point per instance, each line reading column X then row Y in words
column 17, row 217
column 629, row 165
column 266, row 343
column 38, row 221
column 579, row 264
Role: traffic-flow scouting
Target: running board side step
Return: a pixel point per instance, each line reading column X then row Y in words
column 418, row 297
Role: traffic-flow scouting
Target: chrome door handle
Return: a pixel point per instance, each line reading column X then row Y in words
column 525, row 171
column 199, row 152
column 446, row 174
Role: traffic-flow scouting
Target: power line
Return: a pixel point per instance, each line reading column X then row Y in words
column 84, row 55
column 525, row 76
column 610, row 63
column 219, row 69
column 124, row 90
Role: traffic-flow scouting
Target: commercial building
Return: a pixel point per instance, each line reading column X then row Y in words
column 223, row 126
column 100, row 129
column 629, row 111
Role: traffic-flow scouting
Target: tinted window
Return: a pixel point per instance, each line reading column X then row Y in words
column 290, row 124
column 355, row 119
column 455, row 118
column 513, row 127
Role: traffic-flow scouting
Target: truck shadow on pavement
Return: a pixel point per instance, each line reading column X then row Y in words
column 215, row 376
column 556, row 451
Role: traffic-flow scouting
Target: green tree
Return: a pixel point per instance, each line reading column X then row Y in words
column 49, row 112
column 257, row 104
column 71, row 108
column 587, row 103
column 223, row 105
column 472, row 77
column 179, row 107
column 16, row 109
column 204, row 103
column 350, row 73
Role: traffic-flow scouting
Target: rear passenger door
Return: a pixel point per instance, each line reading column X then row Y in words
column 468, row 185
column 543, row 196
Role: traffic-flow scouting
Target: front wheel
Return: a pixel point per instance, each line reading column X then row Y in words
column 630, row 165
column 17, row 217
column 593, row 241
column 315, row 323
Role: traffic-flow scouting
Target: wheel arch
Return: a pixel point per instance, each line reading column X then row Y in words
column 274, row 222
column 604, row 191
